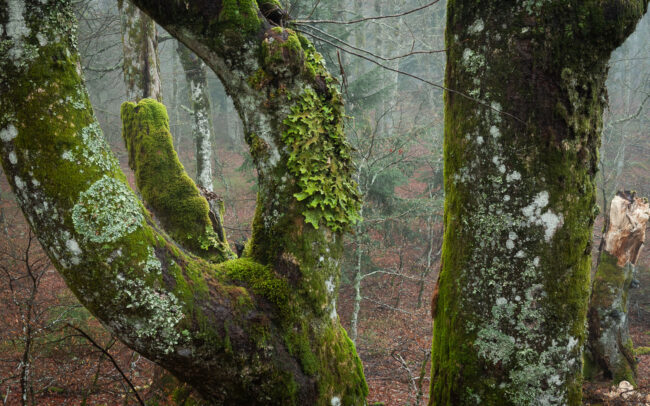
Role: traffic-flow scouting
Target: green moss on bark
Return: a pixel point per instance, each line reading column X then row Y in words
column 163, row 182
column 520, row 192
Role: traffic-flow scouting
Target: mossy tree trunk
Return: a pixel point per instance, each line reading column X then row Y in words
column 141, row 66
column 262, row 329
column 610, row 352
column 520, row 194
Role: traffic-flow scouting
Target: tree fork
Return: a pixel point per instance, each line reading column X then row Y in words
column 261, row 329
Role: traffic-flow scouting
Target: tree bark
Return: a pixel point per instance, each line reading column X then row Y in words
column 197, row 81
column 610, row 351
column 520, row 194
column 196, row 76
column 257, row 330
column 140, row 44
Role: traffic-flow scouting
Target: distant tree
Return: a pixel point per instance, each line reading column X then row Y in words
column 520, row 159
column 258, row 330
column 610, row 351
column 141, row 64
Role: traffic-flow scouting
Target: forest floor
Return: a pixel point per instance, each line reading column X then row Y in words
column 602, row 393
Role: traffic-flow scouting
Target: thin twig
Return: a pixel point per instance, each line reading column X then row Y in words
column 365, row 18
column 110, row 357
column 383, row 58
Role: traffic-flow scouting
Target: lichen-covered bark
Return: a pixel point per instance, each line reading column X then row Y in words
column 520, row 194
column 610, row 352
column 257, row 330
column 140, row 51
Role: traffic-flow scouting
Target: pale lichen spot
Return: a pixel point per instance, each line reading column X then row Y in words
column 12, row 158
column 336, row 401
column 73, row 246
column 494, row 132
column 9, row 133
column 476, row 27
column 19, row 182
column 329, row 284
column 513, row 176
column 549, row 220
column 107, row 211
column 479, row 140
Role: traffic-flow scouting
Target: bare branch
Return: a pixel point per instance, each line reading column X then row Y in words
column 439, row 86
column 383, row 58
column 365, row 18
column 110, row 357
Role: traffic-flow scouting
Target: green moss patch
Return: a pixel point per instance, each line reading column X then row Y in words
column 163, row 182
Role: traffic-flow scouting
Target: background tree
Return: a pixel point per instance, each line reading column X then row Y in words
column 519, row 168
column 141, row 65
column 610, row 350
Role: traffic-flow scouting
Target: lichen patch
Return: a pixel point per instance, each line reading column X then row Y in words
column 107, row 211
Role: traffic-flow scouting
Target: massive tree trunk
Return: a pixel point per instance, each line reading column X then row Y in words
column 140, row 44
column 520, row 194
column 258, row 330
column 610, row 351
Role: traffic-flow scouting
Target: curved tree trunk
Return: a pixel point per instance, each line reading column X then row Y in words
column 140, row 44
column 610, row 351
column 520, row 194
column 258, row 330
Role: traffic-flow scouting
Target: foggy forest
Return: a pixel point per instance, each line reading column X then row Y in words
column 324, row 202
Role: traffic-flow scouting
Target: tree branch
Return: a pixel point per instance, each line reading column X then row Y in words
column 110, row 357
column 461, row 94
column 366, row 18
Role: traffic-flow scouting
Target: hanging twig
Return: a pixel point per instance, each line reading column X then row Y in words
column 367, row 18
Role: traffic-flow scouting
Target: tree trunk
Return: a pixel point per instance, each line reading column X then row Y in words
column 196, row 76
column 520, row 160
column 140, row 44
column 610, row 351
column 258, row 330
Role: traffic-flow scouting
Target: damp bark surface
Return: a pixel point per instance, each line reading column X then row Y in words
column 520, row 159
column 609, row 350
column 257, row 330
column 141, row 66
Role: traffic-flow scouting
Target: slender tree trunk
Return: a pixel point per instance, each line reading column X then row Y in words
column 610, row 351
column 358, row 298
column 520, row 194
column 200, row 104
column 258, row 330
column 140, row 43
column 196, row 76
